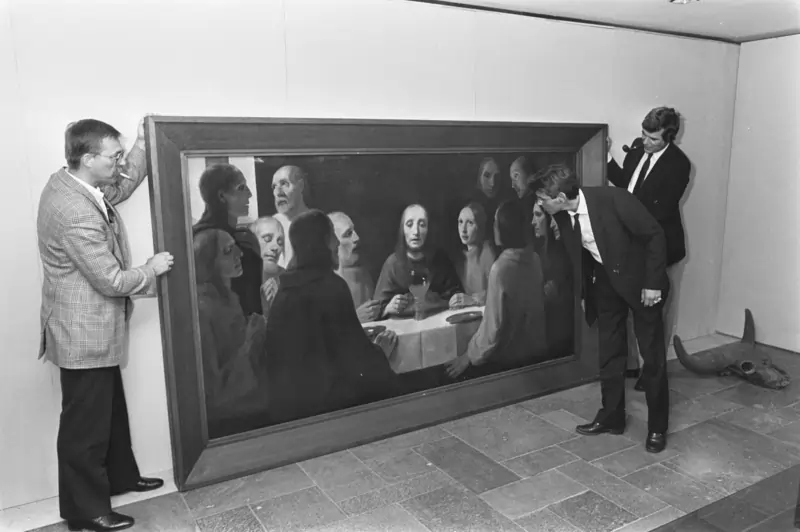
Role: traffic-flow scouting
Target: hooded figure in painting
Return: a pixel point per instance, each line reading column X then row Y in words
column 227, row 197
column 320, row 358
column 743, row 359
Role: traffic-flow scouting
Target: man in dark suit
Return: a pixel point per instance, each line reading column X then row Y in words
column 618, row 253
column 656, row 171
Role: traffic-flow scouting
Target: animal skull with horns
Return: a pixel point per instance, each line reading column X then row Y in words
column 744, row 359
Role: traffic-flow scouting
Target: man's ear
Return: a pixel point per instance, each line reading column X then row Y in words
column 87, row 159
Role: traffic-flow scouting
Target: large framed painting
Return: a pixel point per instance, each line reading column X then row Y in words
column 342, row 281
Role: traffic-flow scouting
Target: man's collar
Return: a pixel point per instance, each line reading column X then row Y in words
column 582, row 208
column 94, row 191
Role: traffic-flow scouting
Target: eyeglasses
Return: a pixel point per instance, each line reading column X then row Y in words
column 116, row 158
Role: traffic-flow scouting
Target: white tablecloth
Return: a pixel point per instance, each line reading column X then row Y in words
column 428, row 342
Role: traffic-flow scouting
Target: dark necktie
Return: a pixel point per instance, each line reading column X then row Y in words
column 576, row 230
column 642, row 174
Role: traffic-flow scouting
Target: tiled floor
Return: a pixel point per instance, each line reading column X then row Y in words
column 523, row 467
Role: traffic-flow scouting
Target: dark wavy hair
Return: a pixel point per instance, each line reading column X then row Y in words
column 216, row 178
column 663, row 117
column 555, row 179
column 511, row 225
column 310, row 235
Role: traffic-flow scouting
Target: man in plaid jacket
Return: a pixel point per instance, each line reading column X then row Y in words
column 88, row 281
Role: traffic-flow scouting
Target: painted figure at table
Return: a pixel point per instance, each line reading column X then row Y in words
column 477, row 258
column 231, row 344
column 512, row 331
column 488, row 190
column 337, row 366
column 358, row 279
column 522, row 173
column 558, row 283
column 290, row 186
column 414, row 261
column 227, row 197
column 271, row 238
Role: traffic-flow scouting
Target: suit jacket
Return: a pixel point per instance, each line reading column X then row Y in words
column 87, row 271
column 630, row 242
column 661, row 192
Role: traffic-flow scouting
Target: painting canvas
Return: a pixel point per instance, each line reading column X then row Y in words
column 415, row 247
column 339, row 281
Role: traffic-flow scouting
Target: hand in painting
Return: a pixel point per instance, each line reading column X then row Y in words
column 457, row 366
column 256, row 329
column 369, row 311
column 398, row 304
column 387, row 341
column 460, row 301
column 270, row 289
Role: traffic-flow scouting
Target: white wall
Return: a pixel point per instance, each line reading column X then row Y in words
column 761, row 264
column 348, row 58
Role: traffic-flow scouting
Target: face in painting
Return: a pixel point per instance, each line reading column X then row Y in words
column 415, row 227
column 237, row 198
column 539, row 220
column 105, row 165
column 348, row 240
column 519, row 179
column 467, row 227
column 653, row 142
column 229, row 257
column 271, row 239
column 490, row 178
column 287, row 188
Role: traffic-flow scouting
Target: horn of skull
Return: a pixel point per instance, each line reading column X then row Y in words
column 744, row 359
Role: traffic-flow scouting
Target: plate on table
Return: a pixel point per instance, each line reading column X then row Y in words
column 463, row 317
column 374, row 330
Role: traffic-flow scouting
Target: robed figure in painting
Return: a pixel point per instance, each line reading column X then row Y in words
column 319, row 357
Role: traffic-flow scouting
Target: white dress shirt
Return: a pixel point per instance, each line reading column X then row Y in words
column 96, row 193
column 653, row 159
column 587, row 235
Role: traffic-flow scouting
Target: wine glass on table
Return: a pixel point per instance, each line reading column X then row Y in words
column 419, row 289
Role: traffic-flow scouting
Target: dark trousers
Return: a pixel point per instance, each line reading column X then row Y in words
column 95, row 458
column 612, row 315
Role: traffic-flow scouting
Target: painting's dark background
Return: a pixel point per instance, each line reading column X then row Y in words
column 374, row 189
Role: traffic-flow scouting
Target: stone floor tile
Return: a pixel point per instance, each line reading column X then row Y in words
column 452, row 509
column 167, row 513
column 395, row 493
column 761, row 421
column 545, row 520
column 466, row 465
column 564, row 420
column 399, row 443
column 732, row 515
column 531, row 464
column 621, row 493
column 508, row 432
column 341, row 475
column 651, row 522
column 297, row 511
column 632, row 459
column 593, row 447
column 592, row 513
column 388, row 519
column 400, row 465
column 250, row 489
column 238, row 520
column 673, row 488
column 532, row 494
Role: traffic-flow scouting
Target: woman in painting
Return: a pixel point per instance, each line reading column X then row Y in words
column 320, row 358
column 227, row 197
column 477, row 259
column 230, row 343
column 487, row 191
column 415, row 261
column 558, row 288
column 512, row 331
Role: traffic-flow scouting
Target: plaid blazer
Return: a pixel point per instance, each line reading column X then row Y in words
column 88, row 279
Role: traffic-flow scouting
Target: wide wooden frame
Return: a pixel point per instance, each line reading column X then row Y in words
column 199, row 461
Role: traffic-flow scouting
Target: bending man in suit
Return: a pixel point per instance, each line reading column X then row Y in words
column 88, row 281
column 656, row 171
column 618, row 254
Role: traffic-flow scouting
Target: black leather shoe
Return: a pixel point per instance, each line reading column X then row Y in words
column 147, row 484
column 143, row 484
column 593, row 429
column 655, row 442
column 639, row 386
column 112, row 521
